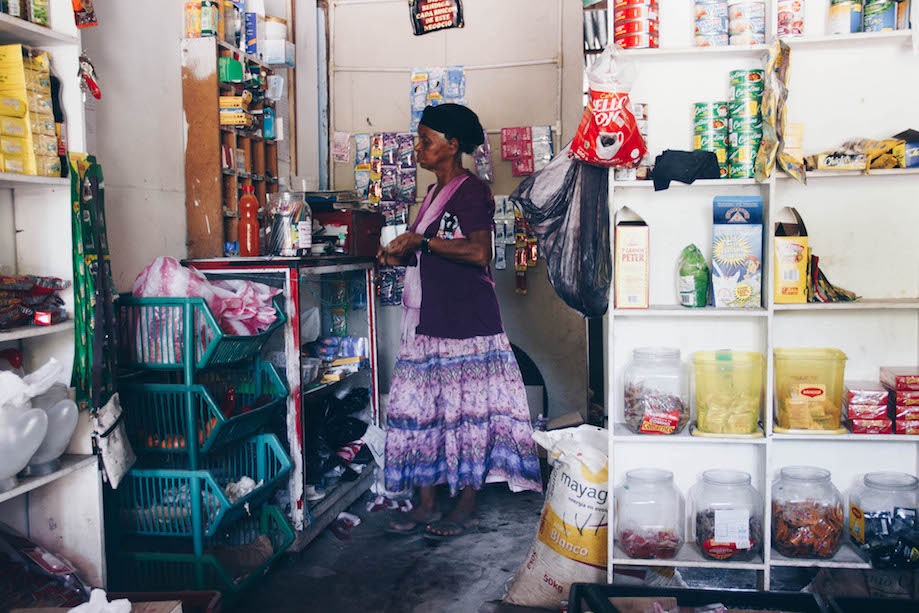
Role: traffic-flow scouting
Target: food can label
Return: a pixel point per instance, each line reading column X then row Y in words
column 638, row 41
column 741, row 171
column 712, row 10
column 742, row 155
column 620, row 4
column 710, row 109
column 740, row 77
column 710, row 124
column 790, row 17
column 636, row 26
column 751, row 38
column 754, row 25
column 880, row 17
column 712, row 40
column 723, row 170
column 642, row 11
column 709, row 141
column 845, row 17
column 744, row 108
column 745, row 139
column 711, row 26
column 746, row 124
column 741, row 10
column 747, row 90
column 660, row 423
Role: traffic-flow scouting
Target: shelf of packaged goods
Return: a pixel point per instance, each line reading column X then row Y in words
column 845, row 558
column 33, row 331
column 69, row 464
column 622, row 434
column 848, row 174
column 890, row 304
column 752, row 51
column 849, row 40
column 687, row 557
column 13, row 181
column 697, row 183
column 665, row 310
column 241, row 53
column 316, row 389
column 15, row 30
column 847, row 437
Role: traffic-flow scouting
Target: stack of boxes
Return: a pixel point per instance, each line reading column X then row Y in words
column 710, row 131
column 888, row 407
column 28, row 142
column 234, row 110
column 745, row 122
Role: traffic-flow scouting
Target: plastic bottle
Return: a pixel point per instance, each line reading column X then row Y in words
column 248, row 223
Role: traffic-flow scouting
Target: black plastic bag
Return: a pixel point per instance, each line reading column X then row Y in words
column 567, row 206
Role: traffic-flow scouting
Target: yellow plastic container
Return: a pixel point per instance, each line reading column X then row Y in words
column 809, row 388
column 729, row 391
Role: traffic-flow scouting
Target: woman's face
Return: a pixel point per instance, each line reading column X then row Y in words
column 433, row 150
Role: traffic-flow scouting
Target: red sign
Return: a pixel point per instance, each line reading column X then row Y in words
column 430, row 15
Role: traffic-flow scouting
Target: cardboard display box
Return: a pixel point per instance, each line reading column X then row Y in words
column 791, row 258
column 633, row 252
column 737, row 252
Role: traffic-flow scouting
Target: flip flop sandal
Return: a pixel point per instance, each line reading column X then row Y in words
column 409, row 527
column 451, row 528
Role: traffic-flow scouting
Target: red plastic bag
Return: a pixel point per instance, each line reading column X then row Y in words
column 608, row 134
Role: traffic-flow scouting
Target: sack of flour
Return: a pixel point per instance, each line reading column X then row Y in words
column 571, row 542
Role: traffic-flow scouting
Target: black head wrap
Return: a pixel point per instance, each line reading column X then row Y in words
column 455, row 121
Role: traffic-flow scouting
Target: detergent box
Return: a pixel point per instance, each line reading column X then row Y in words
column 737, row 252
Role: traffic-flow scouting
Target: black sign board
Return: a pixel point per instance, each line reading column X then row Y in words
column 431, row 15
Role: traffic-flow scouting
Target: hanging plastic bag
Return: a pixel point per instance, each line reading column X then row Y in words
column 566, row 205
column 608, row 134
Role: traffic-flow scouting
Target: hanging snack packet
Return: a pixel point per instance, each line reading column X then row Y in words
column 388, row 187
column 608, row 134
column 390, row 149
column 455, row 85
column 692, row 283
column 408, row 186
column 775, row 94
column 84, row 14
column 482, row 158
column 405, row 143
column 542, row 147
column 436, row 85
column 419, row 93
column 361, row 164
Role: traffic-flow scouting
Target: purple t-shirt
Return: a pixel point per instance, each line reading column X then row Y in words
column 458, row 300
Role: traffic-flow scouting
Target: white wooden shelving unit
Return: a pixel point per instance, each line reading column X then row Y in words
column 61, row 511
column 864, row 229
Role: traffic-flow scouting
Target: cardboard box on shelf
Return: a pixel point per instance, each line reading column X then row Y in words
column 791, row 258
column 278, row 53
column 229, row 70
column 737, row 252
column 633, row 251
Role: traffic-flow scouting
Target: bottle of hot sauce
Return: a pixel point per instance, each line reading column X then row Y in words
column 248, row 223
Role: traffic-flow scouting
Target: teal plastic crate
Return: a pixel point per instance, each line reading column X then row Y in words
column 158, row 420
column 154, row 333
column 194, row 503
column 175, row 571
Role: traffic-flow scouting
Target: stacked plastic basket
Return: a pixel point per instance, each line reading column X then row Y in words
column 193, row 514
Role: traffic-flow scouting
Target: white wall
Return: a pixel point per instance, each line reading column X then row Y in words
column 139, row 135
column 377, row 34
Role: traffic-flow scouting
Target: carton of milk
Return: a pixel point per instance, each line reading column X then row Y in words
column 633, row 251
column 737, row 252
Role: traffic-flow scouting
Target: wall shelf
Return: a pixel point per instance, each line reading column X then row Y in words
column 34, row 331
column 845, row 558
column 693, row 53
column 622, row 434
column 849, row 174
column 15, row 181
column 69, row 464
column 850, row 41
column 663, row 310
column 14, row 30
column 891, row 304
column 688, row 557
column 698, row 183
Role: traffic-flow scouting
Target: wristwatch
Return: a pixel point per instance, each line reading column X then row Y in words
column 425, row 245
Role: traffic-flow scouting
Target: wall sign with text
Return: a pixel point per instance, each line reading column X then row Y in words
column 431, row 15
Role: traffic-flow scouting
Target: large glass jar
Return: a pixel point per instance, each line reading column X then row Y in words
column 656, row 400
column 649, row 514
column 727, row 515
column 807, row 514
column 882, row 513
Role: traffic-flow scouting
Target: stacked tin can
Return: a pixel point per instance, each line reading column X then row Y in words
column 710, row 131
column 745, row 122
column 636, row 24
column 790, row 22
column 747, row 25
column 711, row 23
column 880, row 16
column 643, row 172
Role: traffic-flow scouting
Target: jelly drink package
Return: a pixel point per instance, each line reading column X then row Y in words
column 608, row 134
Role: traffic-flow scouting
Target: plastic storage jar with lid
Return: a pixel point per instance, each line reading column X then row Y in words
column 808, row 388
column 727, row 515
column 729, row 391
column 807, row 514
column 649, row 514
column 882, row 513
column 655, row 392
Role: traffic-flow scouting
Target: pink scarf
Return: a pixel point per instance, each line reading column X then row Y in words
column 430, row 211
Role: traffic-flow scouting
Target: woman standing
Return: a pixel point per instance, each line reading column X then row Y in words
column 457, row 407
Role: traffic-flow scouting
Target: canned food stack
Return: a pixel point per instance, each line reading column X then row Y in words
column 636, row 24
column 747, row 24
column 643, row 172
column 745, row 122
column 711, row 23
column 790, row 18
column 845, row 16
column 880, row 15
column 710, row 131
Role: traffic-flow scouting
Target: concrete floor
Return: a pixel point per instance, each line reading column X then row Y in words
column 378, row 572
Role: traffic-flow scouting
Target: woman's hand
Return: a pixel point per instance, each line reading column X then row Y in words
column 404, row 245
